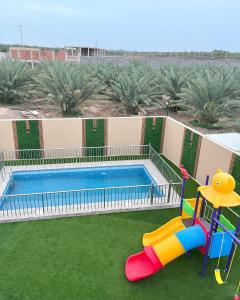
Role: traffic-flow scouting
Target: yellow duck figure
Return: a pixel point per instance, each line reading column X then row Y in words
column 221, row 191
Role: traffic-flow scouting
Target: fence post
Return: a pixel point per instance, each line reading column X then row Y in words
column 169, row 192
column 43, row 204
column 152, row 193
column 104, row 198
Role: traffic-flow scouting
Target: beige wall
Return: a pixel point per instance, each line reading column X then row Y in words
column 124, row 131
column 67, row 133
column 6, row 135
column 62, row 133
column 173, row 140
column 212, row 156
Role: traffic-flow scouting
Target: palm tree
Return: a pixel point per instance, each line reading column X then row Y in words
column 65, row 84
column 14, row 79
column 135, row 85
column 212, row 94
column 171, row 79
column 107, row 73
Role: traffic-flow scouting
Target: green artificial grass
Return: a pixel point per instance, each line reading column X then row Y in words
column 28, row 140
column 190, row 148
column 84, row 258
column 95, row 137
column 153, row 134
column 236, row 172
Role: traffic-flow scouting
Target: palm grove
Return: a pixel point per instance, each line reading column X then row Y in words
column 210, row 93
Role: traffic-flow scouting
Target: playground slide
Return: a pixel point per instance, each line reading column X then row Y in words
column 153, row 258
column 163, row 232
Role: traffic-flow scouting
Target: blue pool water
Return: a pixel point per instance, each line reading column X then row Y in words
column 63, row 185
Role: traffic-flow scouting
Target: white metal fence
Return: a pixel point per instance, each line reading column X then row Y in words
column 88, row 200
column 73, row 155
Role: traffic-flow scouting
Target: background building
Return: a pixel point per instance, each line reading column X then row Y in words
column 74, row 53
column 69, row 53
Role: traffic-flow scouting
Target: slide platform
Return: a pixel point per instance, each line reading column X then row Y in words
column 163, row 232
column 155, row 257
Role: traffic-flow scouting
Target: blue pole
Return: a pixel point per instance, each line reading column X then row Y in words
column 230, row 257
column 215, row 215
column 182, row 194
column 203, row 199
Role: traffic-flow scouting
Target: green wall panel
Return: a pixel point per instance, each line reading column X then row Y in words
column 152, row 134
column 94, row 137
column 236, row 173
column 28, row 140
column 190, row 149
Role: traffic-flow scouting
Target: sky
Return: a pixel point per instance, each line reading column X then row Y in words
column 139, row 25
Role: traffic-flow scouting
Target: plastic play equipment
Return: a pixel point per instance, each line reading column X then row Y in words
column 184, row 171
column 160, row 253
column 200, row 225
column 217, row 271
column 237, row 297
column 163, row 232
column 163, row 251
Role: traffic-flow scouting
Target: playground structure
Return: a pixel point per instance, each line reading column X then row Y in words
column 200, row 225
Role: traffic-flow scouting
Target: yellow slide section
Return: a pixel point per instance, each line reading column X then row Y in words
column 163, row 232
column 168, row 249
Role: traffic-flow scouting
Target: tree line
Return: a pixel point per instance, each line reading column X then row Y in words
column 210, row 93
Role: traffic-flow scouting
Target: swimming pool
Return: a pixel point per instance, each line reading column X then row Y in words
column 78, row 186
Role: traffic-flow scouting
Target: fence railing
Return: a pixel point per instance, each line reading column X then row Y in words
column 49, row 156
column 5, row 173
column 74, row 155
column 163, row 167
column 89, row 200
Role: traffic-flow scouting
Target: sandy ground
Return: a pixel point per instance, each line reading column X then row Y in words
column 99, row 106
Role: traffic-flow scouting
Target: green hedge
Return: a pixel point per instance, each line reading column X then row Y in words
column 190, row 151
column 152, row 134
column 28, row 140
column 94, row 137
column 236, row 173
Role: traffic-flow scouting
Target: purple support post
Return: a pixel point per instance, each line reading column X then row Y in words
column 233, row 247
column 217, row 217
column 203, row 199
column 216, row 214
column 196, row 208
column 182, row 194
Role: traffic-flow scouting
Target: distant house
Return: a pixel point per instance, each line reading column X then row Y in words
column 35, row 55
column 69, row 53
column 74, row 53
